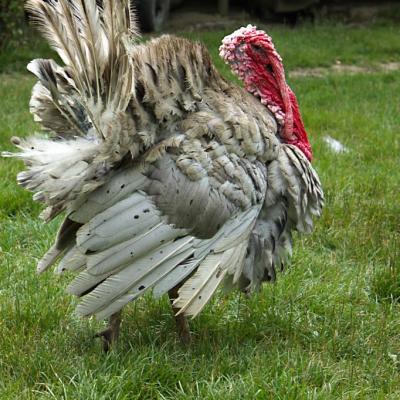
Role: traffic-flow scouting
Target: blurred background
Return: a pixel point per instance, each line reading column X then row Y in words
column 19, row 42
column 191, row 15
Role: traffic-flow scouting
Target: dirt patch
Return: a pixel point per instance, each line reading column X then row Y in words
column 339, row 68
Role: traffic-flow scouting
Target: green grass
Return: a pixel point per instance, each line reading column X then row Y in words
column 306, row 46
column 329, row 328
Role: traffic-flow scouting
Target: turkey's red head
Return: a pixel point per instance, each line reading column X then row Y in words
column 252, row 56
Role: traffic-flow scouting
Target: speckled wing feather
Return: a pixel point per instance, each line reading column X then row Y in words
column 293, row 197
column 154, row 234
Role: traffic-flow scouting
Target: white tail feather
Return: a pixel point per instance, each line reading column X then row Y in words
column 121, row 222
column 118, row 187
column 84, row 282
column 197, row 291
column 73, row 260
column 48, row 259
column 119, row 283
column 146, row 281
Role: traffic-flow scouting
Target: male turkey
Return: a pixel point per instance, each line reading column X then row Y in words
column 171, row 179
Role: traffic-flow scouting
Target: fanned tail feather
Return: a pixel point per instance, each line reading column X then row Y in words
column 197, row 291
column 82, row 104
column 73, row 260
column 225, row 258
column 137, row 276
column 49, row 258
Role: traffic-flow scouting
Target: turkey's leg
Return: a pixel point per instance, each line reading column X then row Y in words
column 111, row 333
column 182, row 325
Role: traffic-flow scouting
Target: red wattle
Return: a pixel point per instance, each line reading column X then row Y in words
column 299, row 131
column 274, row 91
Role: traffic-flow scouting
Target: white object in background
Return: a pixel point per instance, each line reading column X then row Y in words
column 335, row 145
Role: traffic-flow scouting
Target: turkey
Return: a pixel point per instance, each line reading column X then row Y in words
column 170, row 178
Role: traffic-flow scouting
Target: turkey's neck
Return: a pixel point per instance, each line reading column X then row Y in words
column 269, row 84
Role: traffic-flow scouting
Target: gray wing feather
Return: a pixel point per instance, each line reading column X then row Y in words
column 293, row 197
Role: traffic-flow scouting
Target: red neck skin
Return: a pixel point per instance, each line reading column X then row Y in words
column 266, row 80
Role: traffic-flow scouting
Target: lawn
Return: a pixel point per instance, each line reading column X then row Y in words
column 329, row 328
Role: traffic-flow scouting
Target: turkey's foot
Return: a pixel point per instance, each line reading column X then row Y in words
column 182, row 327
column 111, row 333
column 182, row 324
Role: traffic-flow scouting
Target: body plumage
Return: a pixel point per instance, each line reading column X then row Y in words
column 171, row 178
